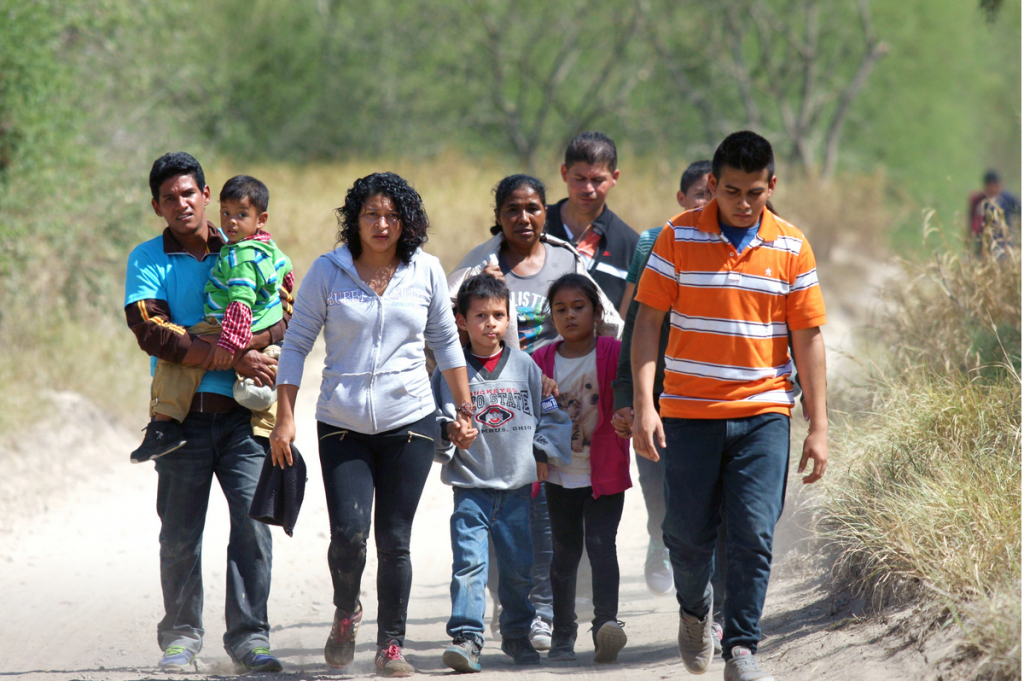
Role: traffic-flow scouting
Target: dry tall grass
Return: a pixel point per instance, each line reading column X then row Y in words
column 927, row 500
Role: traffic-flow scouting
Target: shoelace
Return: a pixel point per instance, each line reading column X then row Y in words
column 693, row 633
column 174, row 650
column 256, row 652
column 343, row 629
column 393, row 652
column 746, row 663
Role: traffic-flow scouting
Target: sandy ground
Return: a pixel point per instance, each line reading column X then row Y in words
column 80, row 590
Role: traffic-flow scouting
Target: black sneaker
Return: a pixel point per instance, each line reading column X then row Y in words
column 520, row 650
column 563, row 645
column 609, row 639
column 463, row 655
column 162, row 437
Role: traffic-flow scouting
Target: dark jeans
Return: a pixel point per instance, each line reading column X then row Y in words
column 737, row 467
column 495, row 521
column 578, row 518
column 652, row 484
column 220, row 445
column 383, row 473
column 540, row 535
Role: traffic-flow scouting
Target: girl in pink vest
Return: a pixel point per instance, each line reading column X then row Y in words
column 585, row 498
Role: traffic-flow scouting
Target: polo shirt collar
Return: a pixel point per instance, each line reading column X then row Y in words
column 173, row 246
column 708, row 222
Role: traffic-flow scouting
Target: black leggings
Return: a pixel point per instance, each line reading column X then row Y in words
column 393, row 467
column 578, row 518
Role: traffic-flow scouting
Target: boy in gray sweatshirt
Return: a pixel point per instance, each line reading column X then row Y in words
column 519, row 431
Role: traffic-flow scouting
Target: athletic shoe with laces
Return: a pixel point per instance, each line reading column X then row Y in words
column 162, row 438
column 520, row 650
column 341, row 644
column 259, row 660
column 176, row 659
column 563, row 645
column 696, row 646
column 463, row 655
column 742, row 666
column 608, row 641
column 540, row 634
column 658, row 569
column 718, row 633
column 390, row 661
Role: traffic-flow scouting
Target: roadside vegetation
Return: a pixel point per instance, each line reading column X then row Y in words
column 924, row 500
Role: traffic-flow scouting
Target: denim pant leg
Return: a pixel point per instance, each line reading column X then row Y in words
column 601, row 518
column 720, row 571
column 469, row 528
column 239, row 463
column 182, row 497
column 754, row 485
column 693, row 502
column 652, row 484
column 540, row 535
column 513, row 550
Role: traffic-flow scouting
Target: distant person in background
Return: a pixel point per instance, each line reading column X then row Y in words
column 693, row 193
column 376, row 298
column 583, row 218
column 163, row 297
column 992, row 193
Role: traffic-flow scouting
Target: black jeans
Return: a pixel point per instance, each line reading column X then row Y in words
column 221, row 446
column 385, row 472
column 578, row 518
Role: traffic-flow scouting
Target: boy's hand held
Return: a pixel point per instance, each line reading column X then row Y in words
column 221, row 358
column 462, row 433
column 815, row 450
column 622, row 422
column 542, row 471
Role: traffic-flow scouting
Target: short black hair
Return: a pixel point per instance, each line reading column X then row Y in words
column 594, row 148
column 581, row 283
column 480, row 287
column 746, row 151
column 246, row 187
column 509, row 185
column 407, row 202
column 171, row 165
column 991, row 177
column 693, row 172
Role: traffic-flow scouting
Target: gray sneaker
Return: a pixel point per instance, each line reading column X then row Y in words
column 743, row 667
column 540, row 634
column 696, row 642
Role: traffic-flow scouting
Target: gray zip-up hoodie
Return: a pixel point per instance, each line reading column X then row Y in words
column 375, row 376
column 517, row 428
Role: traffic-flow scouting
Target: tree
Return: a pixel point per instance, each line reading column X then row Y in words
column 790, row 67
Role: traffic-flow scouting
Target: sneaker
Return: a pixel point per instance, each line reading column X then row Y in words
column 463, row 655
column 520, row 650
column 658, row 570
column 162, row 438
column 259, row 660
column 177, row 659
column 563, row 645
column 540, row 634
column 743, row 667
column 391, row 662
column 608, row 641
column 695, row 642
column 341, row 644
column 717, row 633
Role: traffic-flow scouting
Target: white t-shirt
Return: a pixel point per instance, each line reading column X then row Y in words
column 577, row 396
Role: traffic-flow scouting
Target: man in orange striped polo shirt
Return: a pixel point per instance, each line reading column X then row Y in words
column 736, row 279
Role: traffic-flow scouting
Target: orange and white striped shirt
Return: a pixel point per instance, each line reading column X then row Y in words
column 728, row 349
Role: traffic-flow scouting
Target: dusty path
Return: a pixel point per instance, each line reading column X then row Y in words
column 80, row 591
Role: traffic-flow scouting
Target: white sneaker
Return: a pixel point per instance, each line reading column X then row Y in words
column 743, row 667
column 540, row 634
column 716, row 629
column 696, row 645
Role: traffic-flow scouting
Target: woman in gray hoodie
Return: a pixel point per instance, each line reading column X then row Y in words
column 376, row 298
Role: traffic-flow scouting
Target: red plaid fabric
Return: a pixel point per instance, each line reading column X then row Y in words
column 236, row 328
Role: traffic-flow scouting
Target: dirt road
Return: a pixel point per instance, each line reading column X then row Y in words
column 80, row 590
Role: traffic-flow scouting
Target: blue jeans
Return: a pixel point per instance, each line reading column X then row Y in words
column 737, row 467
column 504, row 515
column 220, row 445
column 540, row 533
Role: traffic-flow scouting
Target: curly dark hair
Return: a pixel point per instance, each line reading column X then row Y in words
column 406, row 199
column 509, row 185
